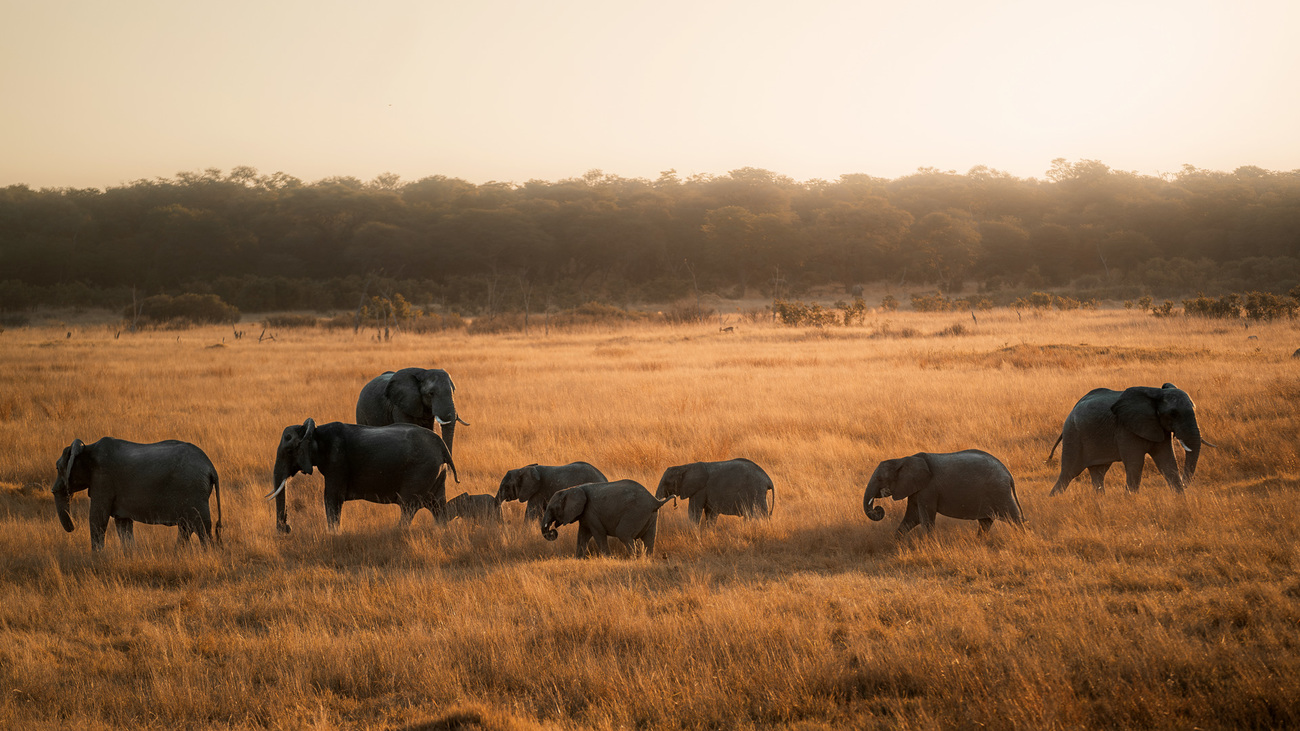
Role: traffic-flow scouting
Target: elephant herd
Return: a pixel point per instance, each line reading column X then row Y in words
column 393, row 456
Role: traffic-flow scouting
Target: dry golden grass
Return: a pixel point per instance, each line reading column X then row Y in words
column 1119, row 610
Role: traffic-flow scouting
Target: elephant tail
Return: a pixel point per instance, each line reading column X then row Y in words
column 1054, row 446
column 772, row 489
column 216, row 487
column 1020, row 512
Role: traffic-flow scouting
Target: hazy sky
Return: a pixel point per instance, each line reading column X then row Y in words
column 103, row 93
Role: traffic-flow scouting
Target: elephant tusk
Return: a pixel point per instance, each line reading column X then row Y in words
column 466, row 423
column 278, row 490
column 1184, row 446
column 442, row 422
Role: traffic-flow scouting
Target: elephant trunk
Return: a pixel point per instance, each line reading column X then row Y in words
column 1192, row 440
column 548, row 524
column 449, row 432
column 873, row 511
column 63, row 503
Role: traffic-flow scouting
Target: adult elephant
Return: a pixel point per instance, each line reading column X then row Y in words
column 536, row 483
column 422, row 396
column 732, row 487
column 1107, row 426
column 969, row 485
column 401, row 464
column 165, row 483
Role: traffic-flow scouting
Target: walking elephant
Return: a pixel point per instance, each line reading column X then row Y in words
column 399, row 463
column 165, row 483
column 535, row 484
column 623, row 509
column 969, row 485
column 734, row 487
column 1108, row 426
column 422, row 396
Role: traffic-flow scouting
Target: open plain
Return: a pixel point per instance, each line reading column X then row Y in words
column 1146, row 610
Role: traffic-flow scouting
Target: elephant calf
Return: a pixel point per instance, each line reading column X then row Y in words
column 623, row 509
column 165, row 483
column 474, row 507
column 535, row 484
column 734, row 487
column 970, row 485
column 399, row 463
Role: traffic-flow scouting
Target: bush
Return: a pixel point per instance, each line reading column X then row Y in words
column 935, row 302
column 797, row 313
column 1164, row 310
column 197, row 309
column 283, row 321
column 1035, row 301
column 1268, row 306
column 889, row 303
column 853, row 313
column 1227, row 306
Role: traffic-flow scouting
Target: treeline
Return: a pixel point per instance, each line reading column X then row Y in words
column 266, row 242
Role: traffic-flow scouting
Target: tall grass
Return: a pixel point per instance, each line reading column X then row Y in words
column 1136, row 610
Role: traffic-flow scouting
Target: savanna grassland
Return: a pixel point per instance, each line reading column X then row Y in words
column 1150, row 610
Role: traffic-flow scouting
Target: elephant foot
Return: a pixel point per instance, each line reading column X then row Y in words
column 282, row 528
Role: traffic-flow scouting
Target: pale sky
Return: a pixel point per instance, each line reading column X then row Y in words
column 96, row 94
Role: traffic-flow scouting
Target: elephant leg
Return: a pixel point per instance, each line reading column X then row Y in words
column 409, row 509
column 584, row 537
column 695, row 510
column 648, row 537
column 986, row 524
column 1167, row 463
column 599, row 535
column 333, row 511
column 125, row 532
column 1068, row 473
column 98, row 525
column 535, row 509
column 1098, row 474
column 911, row 519
column 1133, row 464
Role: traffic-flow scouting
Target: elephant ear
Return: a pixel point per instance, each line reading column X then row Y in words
column 913, row 476
column 575, row 501
column 527, row 483
column 1136, row 411
column 305, row 445
column 74, row 451
column 692, row 479
column 403, row 393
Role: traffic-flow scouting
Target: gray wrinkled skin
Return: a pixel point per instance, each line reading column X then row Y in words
column 1108, row 426
column 623, row 509
column 968, row 485
column 165, row 483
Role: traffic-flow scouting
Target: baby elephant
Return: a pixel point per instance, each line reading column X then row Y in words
column 166, row 483
column 734, row 487
column 474, row 507
column 623, row 509
column 536, row 483
column 970, row 485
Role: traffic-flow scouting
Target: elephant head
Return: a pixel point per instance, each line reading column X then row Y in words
column 293, row 455
column 520, row 484
column 897, row 478
column 682, row 481
column 424, row 397
column 64, row 482
column 1155, row 413
column 565, row 507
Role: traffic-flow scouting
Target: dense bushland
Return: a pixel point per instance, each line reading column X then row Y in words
column 273, row 242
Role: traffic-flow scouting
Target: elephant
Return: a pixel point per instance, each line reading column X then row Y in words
column 970, row 485
column 411, row 396
column 1107, row 426
column 734, row 487
column 535, row 484
column 164, row 483
column 623, row 509
column 474, row 507
column 399, row 463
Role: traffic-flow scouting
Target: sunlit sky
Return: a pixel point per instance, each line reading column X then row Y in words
column 96, row 94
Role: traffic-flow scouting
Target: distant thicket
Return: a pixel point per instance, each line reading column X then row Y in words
column 273, row 242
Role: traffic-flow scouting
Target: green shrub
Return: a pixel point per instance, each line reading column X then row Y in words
column 197, row 309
